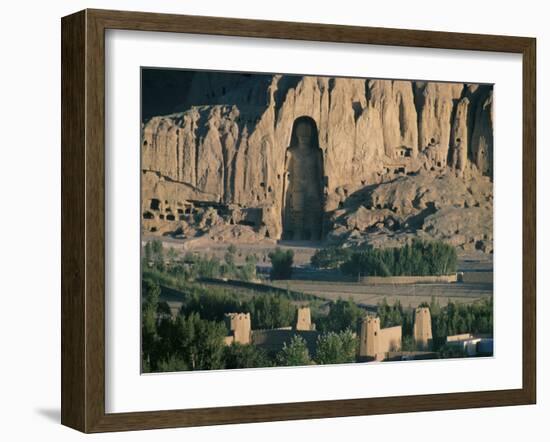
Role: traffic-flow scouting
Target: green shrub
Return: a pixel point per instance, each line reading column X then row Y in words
column 281, row 263
column 295, row 353
column 245, row 356
column 336, row 348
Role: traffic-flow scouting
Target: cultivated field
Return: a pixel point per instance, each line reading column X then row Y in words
column 330, row 285
column 409, row 295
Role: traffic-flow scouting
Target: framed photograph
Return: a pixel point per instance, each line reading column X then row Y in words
column 267, row 221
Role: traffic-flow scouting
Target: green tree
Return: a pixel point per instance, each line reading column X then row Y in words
column 247, row 272
column 163, row 310
column 151, row 293
column 189, row 258
column 420, row 258
column 251, row 259
column 149, row 337
column 408, row 344
column 148, row 334
column 454, row 318
column 390, row 316
column 157, row 254
column 367, row 263
column 281, row 263
column 171, row 364
column 336, row 348
column 148, row 254
column 245, row 356
column 295, row 353
column 210, row 304
column 330, row 257
column 200, row 343
column 172, row 255
column 207, row 267
column 343, row 314
column 271, row 311
column 229, row 256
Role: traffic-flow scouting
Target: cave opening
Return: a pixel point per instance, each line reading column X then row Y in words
column 155, row 204
column 303, row 184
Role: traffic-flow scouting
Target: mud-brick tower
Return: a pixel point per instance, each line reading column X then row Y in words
column 423, row 328
column 369, row 347
column 239, row 326
column 303, row 319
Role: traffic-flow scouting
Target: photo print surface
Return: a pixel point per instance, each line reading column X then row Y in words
column 292, row 220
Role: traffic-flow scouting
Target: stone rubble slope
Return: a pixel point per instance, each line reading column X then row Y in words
column 431, row 205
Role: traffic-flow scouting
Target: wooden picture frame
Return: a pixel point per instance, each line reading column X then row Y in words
column 83, row 220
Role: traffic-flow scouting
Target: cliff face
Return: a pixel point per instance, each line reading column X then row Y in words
column 230, row 149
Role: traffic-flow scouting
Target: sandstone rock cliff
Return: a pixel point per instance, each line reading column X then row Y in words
column 228, row 150
column 432, row 205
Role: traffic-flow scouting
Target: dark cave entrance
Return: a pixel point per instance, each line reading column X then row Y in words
column 303, row 184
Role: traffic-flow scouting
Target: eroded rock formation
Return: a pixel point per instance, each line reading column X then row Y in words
column 440, row 204
column 222, row 164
